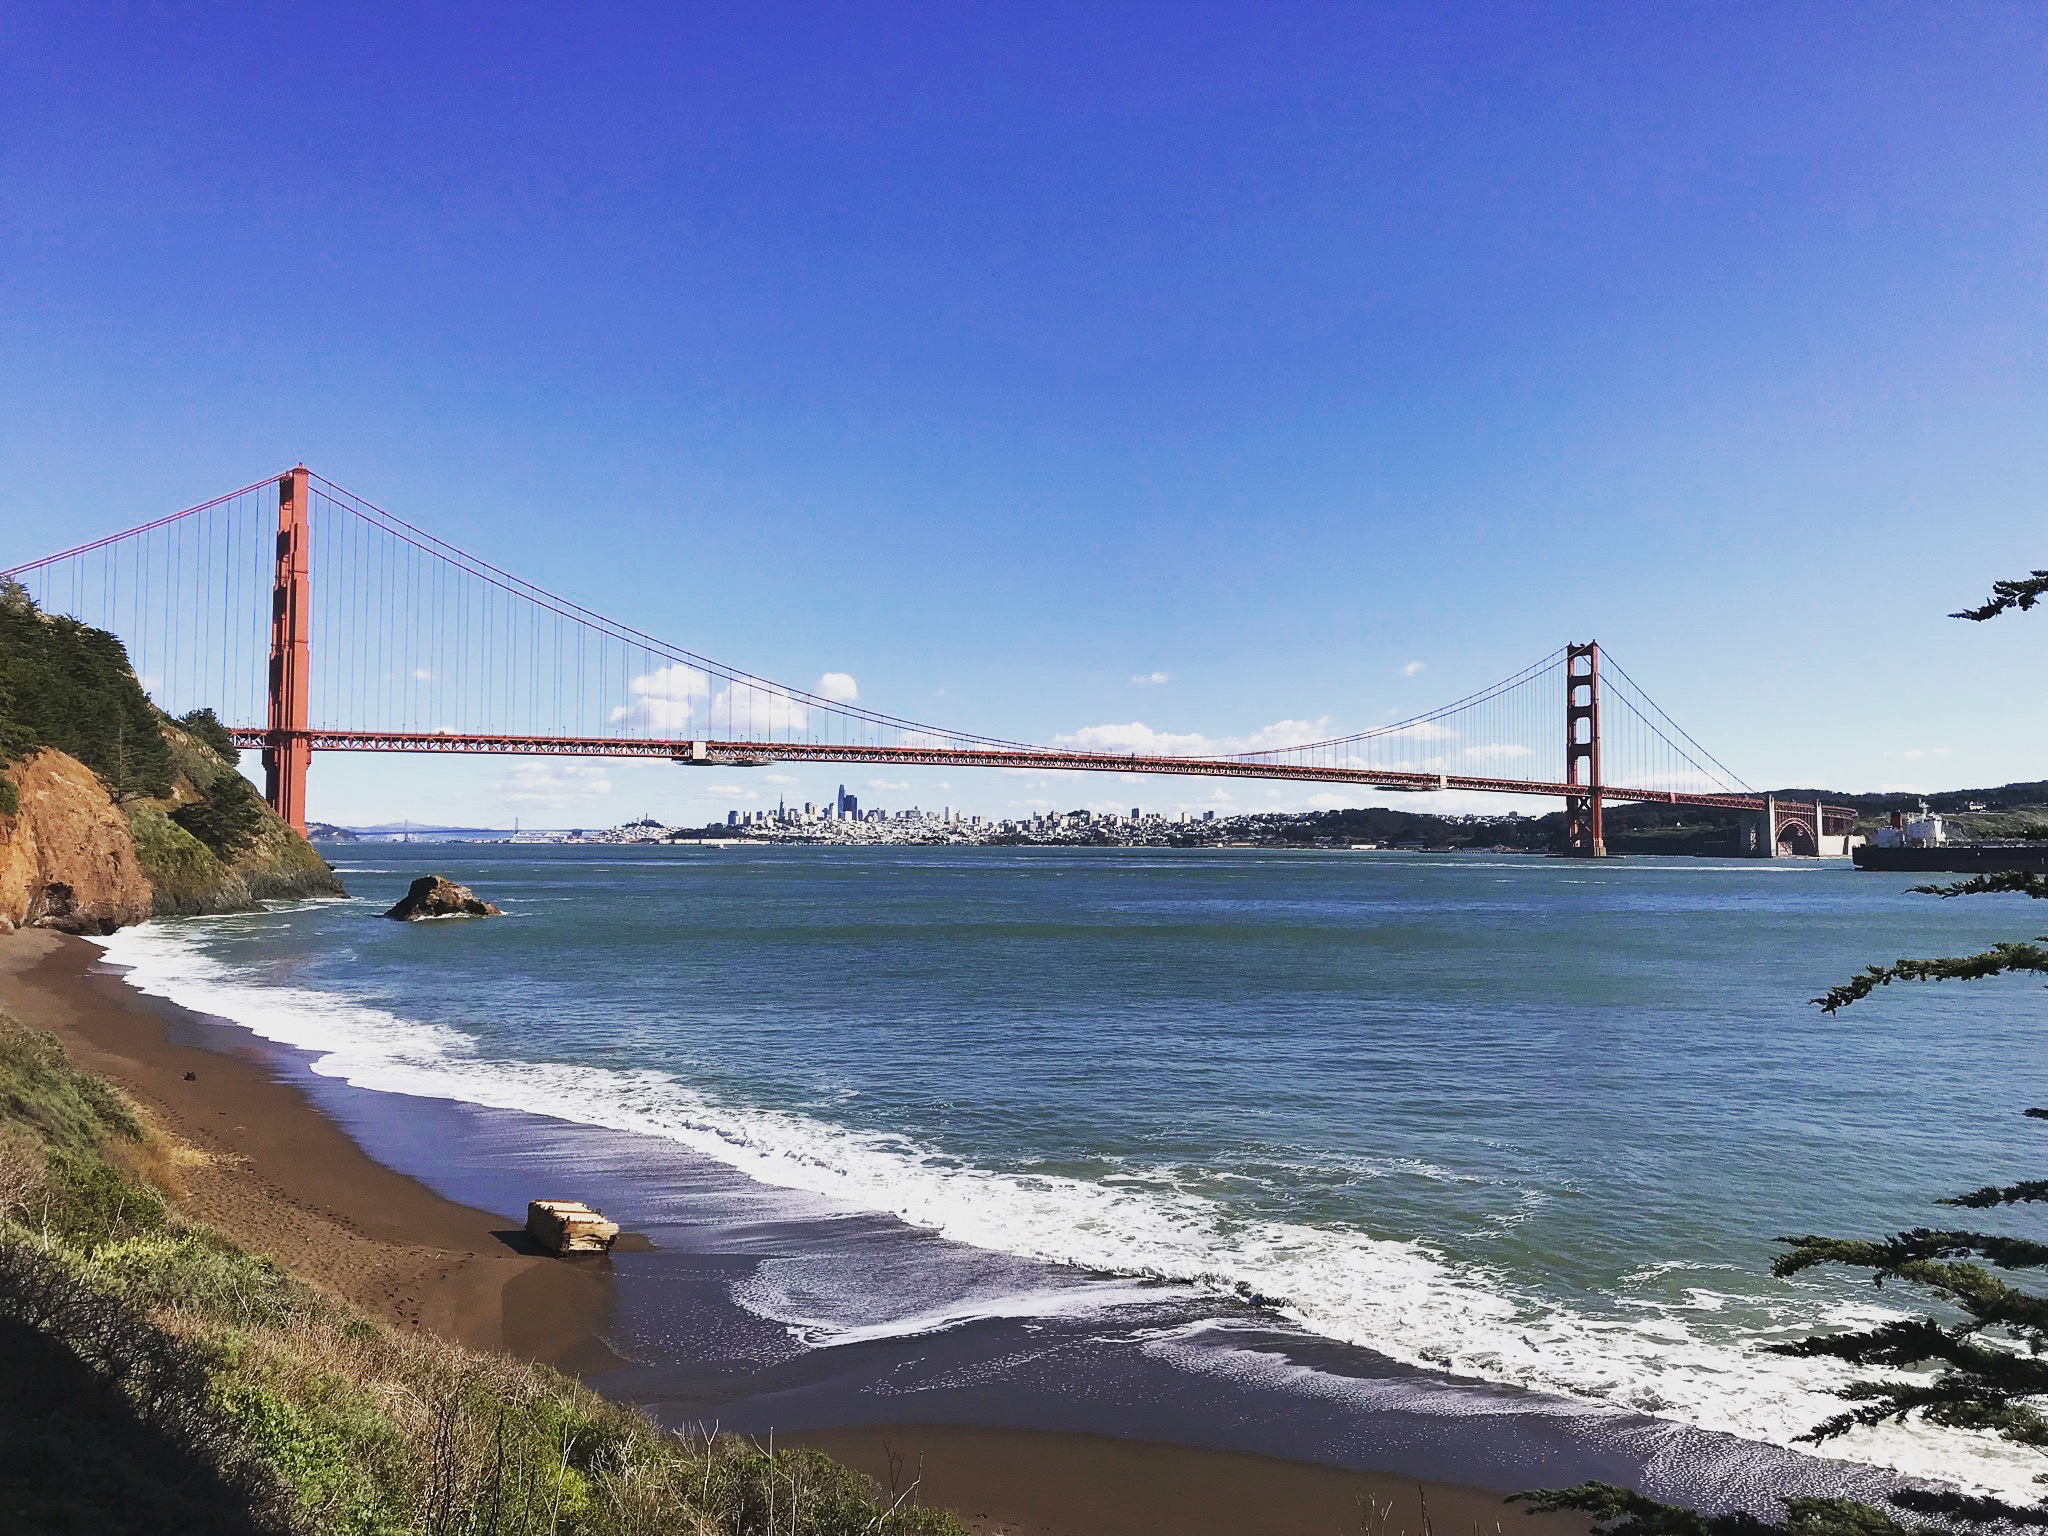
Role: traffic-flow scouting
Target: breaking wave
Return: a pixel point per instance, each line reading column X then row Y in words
column 1400, row 1299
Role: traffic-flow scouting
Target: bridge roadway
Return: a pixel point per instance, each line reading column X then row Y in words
column 755, row 754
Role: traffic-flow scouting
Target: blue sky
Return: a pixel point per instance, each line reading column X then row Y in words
column 997, row 356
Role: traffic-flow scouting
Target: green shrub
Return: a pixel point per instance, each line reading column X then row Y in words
column 70, row 1113
column 228, row 819
column 93, row 1202
column 181, row 870
column 197, row 1272
column 325, row 1443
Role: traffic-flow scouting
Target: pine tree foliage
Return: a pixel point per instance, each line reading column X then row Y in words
column 2021, row 594
column 66, row 685
column 1981, row 1364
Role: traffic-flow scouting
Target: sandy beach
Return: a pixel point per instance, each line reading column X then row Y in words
column 281, row 1177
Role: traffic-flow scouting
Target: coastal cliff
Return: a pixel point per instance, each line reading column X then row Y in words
column 67, row 855
column 73, row 859
column 110, row 811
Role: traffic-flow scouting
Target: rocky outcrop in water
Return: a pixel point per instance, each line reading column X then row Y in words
column 436, row 896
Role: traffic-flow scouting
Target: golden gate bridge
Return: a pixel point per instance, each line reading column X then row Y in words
column 311, row 620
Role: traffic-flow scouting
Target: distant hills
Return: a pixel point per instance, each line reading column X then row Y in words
column 2009, row 811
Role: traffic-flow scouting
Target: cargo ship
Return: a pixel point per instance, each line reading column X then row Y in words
column 1920, row 844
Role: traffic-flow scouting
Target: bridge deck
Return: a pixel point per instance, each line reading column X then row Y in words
column 747, row 754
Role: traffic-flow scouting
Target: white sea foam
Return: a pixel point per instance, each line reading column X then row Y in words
column 1047, row 1301
column 1401, row 1299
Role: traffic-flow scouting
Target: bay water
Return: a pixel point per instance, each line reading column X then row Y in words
column 1522, row 1121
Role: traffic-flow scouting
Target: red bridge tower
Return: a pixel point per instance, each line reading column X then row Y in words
column 1583, row 832
column 286, row 746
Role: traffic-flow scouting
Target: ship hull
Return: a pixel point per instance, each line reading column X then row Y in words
column 1959, row 859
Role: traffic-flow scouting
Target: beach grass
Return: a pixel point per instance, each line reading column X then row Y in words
column 167, row 1379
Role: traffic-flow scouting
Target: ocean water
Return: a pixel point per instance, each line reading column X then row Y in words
column 1522, row 1121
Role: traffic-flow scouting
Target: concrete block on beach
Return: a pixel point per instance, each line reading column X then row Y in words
column 570, row 1226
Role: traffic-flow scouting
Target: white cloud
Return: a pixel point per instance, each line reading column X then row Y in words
column 1417, row 730
column 754, row 713
column 1149, row 679
column 885, row 784
column 731, row 792
column 1915, row 753
column 779, row 778
column 553, row 783
column 1138, row 739
column 838, row 687
column 422, row 675
column 1498, row 752
column 663, row 700
column 1415, row 669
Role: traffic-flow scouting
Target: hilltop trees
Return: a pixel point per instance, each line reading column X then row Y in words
column 66, row 685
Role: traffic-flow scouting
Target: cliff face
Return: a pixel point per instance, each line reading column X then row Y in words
column 72, row 859
column 67, row 856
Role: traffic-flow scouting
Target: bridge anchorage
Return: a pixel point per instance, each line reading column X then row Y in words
column 425, row 648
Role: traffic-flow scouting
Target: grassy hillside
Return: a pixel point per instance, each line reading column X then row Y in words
column 162, row 1379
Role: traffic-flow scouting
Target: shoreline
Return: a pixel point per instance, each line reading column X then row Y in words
column 282, row 1176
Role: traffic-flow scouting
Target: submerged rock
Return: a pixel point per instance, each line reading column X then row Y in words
column 437, row 896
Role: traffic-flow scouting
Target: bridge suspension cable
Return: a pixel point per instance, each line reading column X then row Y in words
column 408, row 643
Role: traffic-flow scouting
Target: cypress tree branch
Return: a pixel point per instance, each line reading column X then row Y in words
column 1992, row 962
column 1987, row 885
column 2031, row 1192
column 1894, row 1254
column 2021, row 594
column 1986, row 1375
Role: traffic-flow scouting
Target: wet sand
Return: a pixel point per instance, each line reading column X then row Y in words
column 281, row 1177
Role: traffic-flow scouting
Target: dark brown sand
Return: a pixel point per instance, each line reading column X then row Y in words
column 281, row 1178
